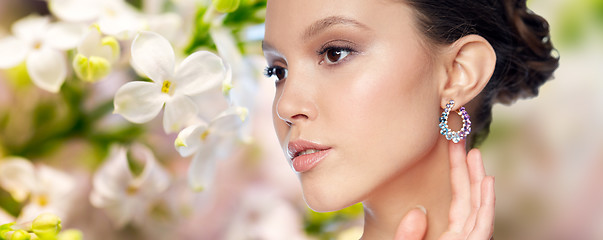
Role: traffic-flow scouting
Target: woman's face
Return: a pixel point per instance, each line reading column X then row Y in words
column 355, row 91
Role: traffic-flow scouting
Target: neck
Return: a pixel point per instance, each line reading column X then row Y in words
column 427, row 183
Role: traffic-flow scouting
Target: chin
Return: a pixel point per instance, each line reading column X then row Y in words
column 322, row 200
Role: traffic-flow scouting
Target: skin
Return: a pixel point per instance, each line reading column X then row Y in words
column 373, row 95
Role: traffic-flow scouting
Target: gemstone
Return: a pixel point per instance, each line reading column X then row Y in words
column 455, row 138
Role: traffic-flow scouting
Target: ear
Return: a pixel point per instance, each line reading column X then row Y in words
column 469, row 64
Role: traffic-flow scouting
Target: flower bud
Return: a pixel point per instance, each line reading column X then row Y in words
column 91, row 69
column 112, row 43
column 5, row 229
column 70, row 234
column 46, row 225
column 226, row 6
column 20, row 235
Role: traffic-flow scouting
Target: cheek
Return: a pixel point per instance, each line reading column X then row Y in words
column 383, row 118
column 392, row 99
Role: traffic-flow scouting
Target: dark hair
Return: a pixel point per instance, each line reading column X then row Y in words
column 525, row 55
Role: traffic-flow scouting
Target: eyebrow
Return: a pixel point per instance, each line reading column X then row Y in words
column 320, row 26
column 267, row 46
column 325, row 23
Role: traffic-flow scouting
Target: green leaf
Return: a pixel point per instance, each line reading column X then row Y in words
column 201, row 37
column 226, row 6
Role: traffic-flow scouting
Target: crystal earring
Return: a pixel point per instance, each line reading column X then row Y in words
column 455, row 136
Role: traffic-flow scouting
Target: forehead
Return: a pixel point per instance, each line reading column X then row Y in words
column 292, row 18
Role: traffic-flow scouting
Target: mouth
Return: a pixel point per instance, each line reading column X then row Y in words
column 308, row 151
column 305, row 155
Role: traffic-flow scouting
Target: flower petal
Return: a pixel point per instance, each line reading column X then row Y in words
column 47, row 69
column 168, row 25
column 123, row 25
column 13, row 52
column 54, row 183
column 75, row 10
column 229, row 121
column 190, row 139
column 153, row 55
column 90, row 42
column 178, row 110
column 111, row 179
column 17, row 176
column 31, row 28
column 139, row 102
column 64, row 35
column 5, row 217
column 199, row 72
column 154, row 179
column 201, row 172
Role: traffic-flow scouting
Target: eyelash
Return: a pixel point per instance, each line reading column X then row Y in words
column 271, row 71
column 326, row 48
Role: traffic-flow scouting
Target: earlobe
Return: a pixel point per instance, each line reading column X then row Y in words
column 470, row 64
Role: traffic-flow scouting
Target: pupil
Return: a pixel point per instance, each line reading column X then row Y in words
column 334, row 55
column 280, row 73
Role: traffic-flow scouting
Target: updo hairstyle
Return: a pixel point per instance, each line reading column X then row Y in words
column 525, row 57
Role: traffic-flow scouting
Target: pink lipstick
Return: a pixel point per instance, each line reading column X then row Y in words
column 305, row 155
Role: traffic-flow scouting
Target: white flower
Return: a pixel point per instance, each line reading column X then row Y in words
column 76, row 10
column 49, row 190
column 125, row 196
column 261, row 213
column 209, row 142
column 114, row 17
column 153, row 55
column 16, row 177
column 242, row 87
column 40, row 44
column 119, row 19
column 95, row 55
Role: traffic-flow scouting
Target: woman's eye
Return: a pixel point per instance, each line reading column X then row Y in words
column 279, row 72
column 334, row 55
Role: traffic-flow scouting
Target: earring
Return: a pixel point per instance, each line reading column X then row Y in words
column 455, row 136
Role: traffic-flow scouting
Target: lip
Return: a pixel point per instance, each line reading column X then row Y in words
column 306, row 162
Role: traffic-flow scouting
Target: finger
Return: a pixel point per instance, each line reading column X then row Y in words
column 484, row 226
column 460, row 206
column 476, row 176
column 413, row 225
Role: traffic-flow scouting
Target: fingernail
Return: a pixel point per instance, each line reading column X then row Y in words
column 420, row 207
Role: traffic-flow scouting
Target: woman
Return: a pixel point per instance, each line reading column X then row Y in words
column 361, row 85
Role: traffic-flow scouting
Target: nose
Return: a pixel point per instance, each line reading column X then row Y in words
column 296, row 102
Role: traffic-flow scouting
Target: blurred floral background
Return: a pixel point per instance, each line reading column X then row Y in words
column 150, row 119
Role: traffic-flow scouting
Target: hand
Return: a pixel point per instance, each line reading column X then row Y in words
column 471, row 215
